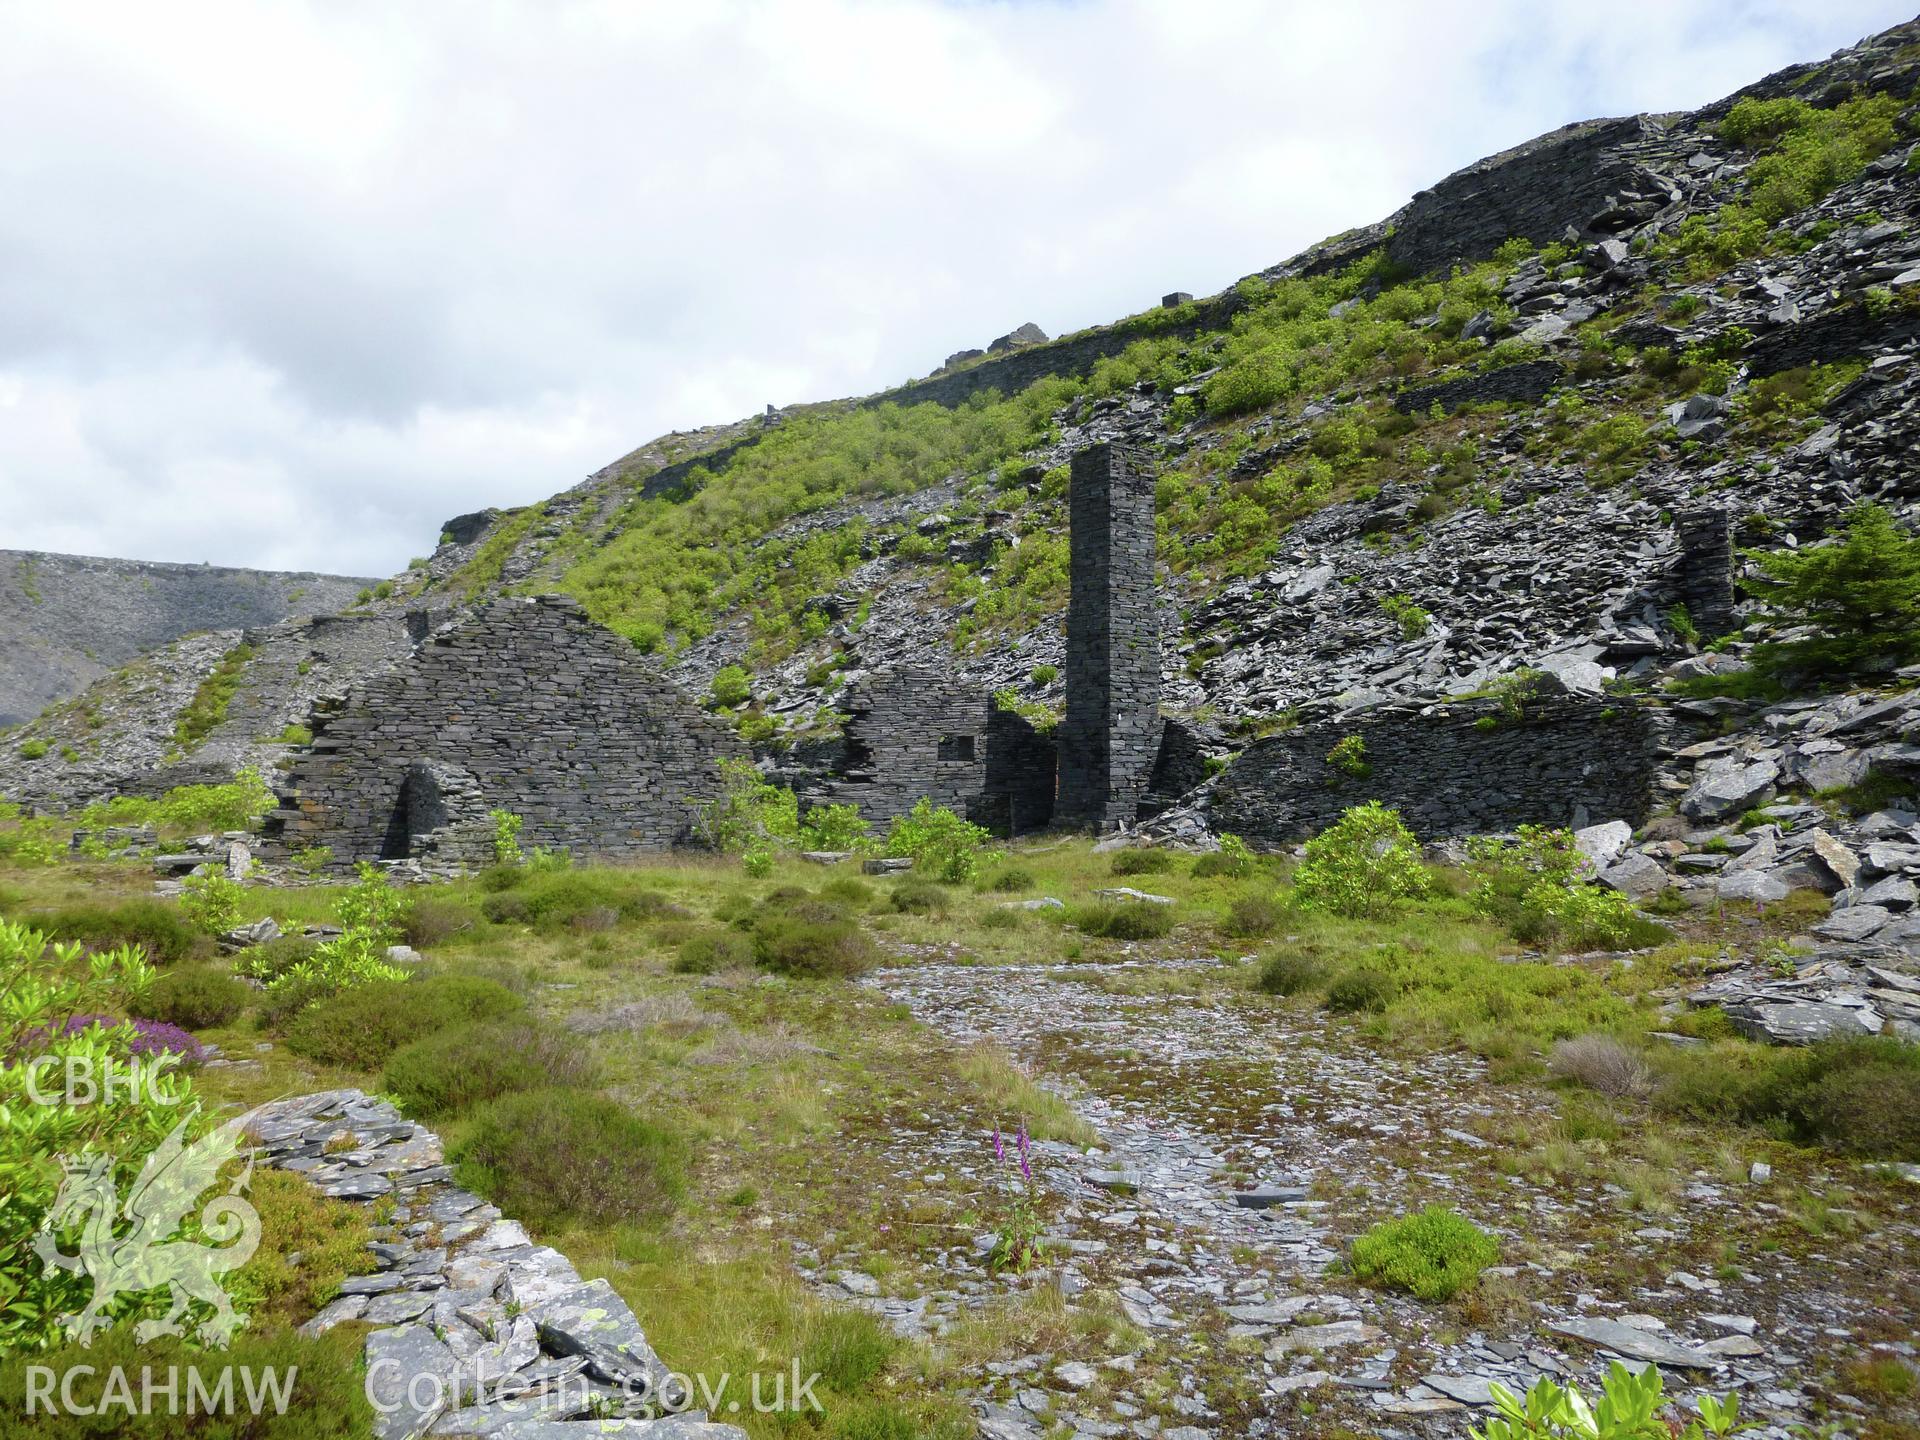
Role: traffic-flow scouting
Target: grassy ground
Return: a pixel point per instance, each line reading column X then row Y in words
column 808, row 1105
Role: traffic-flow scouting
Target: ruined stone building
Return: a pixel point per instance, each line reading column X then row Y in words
column 1472, row 768
column 527, row 706
column 914, row 731
column 530, row 706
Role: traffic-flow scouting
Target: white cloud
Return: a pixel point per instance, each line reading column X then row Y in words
column 287, row 284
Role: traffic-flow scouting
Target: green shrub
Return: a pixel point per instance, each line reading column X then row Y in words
column 1288, row 973
column 1364, row 865
column 45, row 984
column 496, row 878
column 1011, row 881
column 358, row 1028
column 310, row 860
column 1142, row 860
column 309, row 1244
column 196, row 997
column 34, row 750
column 1860, row 592
column 506, row 837
column 1858, row 1096
column 918, row 897
column 1252, row 915
column 1361, row 989
column 1349, row 757
column 282, row 1002
column 1232, row 859
column 712, row 951
column 275, row 958
column 431, row 920
column 1411, row 618
column 158, row 928
column 1583, row 917
column 1870, row 1109
column 506, row 908
column 1537, row 886
column 571, row 899
column 323, row 1379
column 554, row 1156
column 941, row 844
column 457, row 1068
column 731, row 687
column 812, row 943
column 211, row 902
column 1432, row 1255
column 368, row 914
column 1044, row 674
column 833, row 827
column 1630, row 1407
column 846, row 890
column 1808, row 152
column 1123, row 919
column 232, row 806
column 751, row 812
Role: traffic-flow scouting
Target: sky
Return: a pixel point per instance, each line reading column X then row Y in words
column 288, row 285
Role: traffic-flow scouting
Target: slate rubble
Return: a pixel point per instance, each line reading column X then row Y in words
column 1152, row 1218
column 520, row 1346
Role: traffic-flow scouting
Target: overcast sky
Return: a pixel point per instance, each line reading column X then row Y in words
column 288, row 285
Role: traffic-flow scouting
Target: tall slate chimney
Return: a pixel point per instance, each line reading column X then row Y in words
column 1111, row 732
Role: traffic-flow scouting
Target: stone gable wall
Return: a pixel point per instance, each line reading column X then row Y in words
column 527, row 706
column 1563, row 762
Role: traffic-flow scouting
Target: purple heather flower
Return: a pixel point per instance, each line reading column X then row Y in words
column 151, row 1037
column 999, row 1149
column 1026, row 1167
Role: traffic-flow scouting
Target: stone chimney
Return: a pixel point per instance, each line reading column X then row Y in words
column 1112, row 727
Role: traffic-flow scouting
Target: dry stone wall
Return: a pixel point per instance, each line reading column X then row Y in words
column 525, row 706
column 1465, row 769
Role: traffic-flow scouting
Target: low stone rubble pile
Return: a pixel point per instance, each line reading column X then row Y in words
column 479, row 1331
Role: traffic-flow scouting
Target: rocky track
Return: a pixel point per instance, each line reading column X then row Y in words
column 1245, row 1142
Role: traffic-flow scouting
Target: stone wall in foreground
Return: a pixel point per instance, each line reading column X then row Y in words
column 1450, row 769
column 527, row 706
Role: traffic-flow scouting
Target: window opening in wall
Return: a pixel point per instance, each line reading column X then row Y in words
column 956, row 747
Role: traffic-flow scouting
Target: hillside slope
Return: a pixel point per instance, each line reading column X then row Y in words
column 67, row 620
column 1410, row 460
column 1465, row 413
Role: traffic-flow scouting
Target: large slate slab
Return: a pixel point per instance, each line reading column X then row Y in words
column 1634, row 1343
